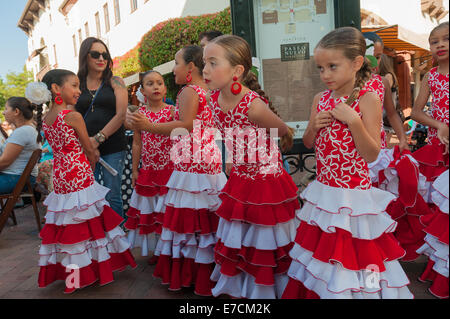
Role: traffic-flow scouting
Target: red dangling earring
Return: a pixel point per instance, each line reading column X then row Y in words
column 189, row 77
column 145, row 100
column 236, row 87
column 58, row 99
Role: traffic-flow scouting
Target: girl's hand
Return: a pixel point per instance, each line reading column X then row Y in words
column 134, row 177
column 345, row 114
column 322, row 119
column 228, row 167
column 94, row 143
column 442, row 133
column 403, row 145
column 137, row 121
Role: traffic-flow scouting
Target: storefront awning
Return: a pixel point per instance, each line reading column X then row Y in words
column 400, row 39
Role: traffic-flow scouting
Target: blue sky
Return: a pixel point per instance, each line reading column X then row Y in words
column 14, row 51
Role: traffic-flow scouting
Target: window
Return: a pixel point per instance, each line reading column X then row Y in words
column 106, row 12
column 86, row 29
column 117, row 11
column 133, row 5
column 74, row 44
column 97, row 23
column 54, row 52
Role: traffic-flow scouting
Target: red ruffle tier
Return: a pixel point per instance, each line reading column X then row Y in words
column 102, row 272
column 147, row 223
column 353, row 253
column 263, row 265
column 432, row 160
column 440, row 284
column 152, row 182
column 190, row 221
column 184, row 272
column 92, row 229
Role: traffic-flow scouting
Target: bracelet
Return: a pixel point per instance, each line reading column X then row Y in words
column 100, row 137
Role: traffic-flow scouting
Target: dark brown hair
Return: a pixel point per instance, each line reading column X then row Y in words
column 142, row 76
column 353, row 44
column 210, row 35
column 194, row 54
column 441, row 26
column 27, row 109
column 83, row 70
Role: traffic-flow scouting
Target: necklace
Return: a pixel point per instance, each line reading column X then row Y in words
column 92, row 93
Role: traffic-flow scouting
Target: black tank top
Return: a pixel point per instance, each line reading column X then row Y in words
column 103, row 111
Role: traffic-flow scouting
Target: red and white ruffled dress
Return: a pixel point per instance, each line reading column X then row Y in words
column 409, row 205
column 186, row 246
column 146, row 213
column 437, row 238
column 431, row 157
column 257, row 215
column 82, row 237
column 345, row 247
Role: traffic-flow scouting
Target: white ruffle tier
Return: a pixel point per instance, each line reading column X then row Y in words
column 385, row 157
column 243, row 286
column 440, row 192
column 192, row 246
column 335, row 282
column 347, row 202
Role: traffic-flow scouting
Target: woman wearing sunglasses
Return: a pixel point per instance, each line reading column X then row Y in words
column 103, row 104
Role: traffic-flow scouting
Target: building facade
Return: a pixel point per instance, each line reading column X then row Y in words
column 56, row 28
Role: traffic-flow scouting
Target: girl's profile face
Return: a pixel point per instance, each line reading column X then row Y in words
column 336, row 70
column 180, row 70
column 439, row 44
column 70, row 91
column 153, row 87
column 218, row 72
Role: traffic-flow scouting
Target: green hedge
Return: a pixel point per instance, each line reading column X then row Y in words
column 162, row 42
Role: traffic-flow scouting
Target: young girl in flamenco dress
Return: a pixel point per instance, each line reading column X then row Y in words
column 82, row 241
column 257, row 216
column 186, row 248
column 344, row 246
column 152, row 169
column 433, row 159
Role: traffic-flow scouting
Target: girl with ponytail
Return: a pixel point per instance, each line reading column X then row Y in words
column 93, row 240
column 345, row 233
column 257, row 213
column 16, row 151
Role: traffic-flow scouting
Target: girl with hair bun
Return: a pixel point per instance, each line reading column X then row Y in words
column 82, row 241
column 345, row 247
column 257, row 215
column 16, row 151
column 186, row 246
column 152, row 169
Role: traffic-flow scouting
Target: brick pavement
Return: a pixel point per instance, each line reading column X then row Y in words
column 19, row 246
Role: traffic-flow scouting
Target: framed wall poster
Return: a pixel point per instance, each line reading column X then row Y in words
column 286, row 47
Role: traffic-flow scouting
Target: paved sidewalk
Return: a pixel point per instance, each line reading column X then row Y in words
column 19, row 246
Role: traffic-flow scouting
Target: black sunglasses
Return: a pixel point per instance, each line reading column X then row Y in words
column 96, row 55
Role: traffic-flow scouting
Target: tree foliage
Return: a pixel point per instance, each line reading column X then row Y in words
column 14, row 85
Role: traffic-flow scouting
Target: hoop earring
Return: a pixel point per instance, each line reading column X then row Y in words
column 236, row 87
column 189, row 77
column 58, row 99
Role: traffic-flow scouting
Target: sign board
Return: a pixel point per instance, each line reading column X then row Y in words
column 295, row 51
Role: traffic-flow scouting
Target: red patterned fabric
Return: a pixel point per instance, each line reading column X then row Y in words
column 71, row 169
column 203, row 156
column 338, row 162
column 375, row 84
column 438, row 84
